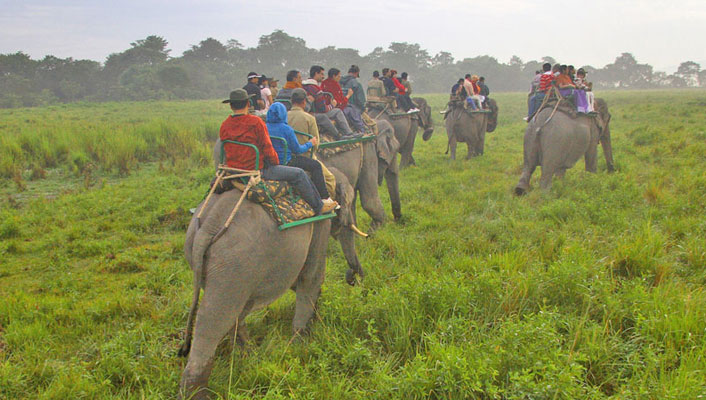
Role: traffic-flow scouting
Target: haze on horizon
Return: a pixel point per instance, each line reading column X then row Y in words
column 660, row 33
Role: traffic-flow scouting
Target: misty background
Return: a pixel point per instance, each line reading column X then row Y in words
column 148, row 70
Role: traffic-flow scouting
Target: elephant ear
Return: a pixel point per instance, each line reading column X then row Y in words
column 493, row 118
column 601, row 107
column 386, row 143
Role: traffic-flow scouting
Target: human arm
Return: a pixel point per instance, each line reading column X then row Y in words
column 294, row 145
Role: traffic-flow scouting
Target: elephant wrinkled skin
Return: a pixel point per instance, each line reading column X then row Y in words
column 557, row 144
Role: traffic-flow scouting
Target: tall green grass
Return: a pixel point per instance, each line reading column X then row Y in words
column 113, row 136
column 592, row 290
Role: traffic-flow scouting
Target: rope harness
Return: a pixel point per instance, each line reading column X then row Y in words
column 222, row 175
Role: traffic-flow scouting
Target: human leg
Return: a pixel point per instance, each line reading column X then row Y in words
column 353, row 116
column 314, row 168
column 326, row 126
column 337, row 115
column 299, row 180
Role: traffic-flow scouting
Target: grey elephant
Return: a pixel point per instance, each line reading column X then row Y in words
column 470, row 128
column 365, row 167
column 344, row 228
column 406, row 127
column 246, row 268
column 557, row 139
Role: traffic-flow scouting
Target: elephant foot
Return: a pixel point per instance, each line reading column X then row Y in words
column 520, row 190
column 197, row 394
column 184, row 349
column 611, row 169
column 374, row 226
column 350, row 277
column 427, row 134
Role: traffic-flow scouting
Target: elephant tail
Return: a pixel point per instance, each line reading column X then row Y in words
column 186, row 346
column 202, row 241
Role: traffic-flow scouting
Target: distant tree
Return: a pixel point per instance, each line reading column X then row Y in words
column 516, row 61
column 689, row 71
column 442, row 59
column 625, row 72
column 149, row 51
column 280, row 50
column 210, row 50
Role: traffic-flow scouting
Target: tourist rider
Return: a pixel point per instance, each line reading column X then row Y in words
column 468, row 88
column 390, row 89
column 545, row 83
column 407, row 91
column 356, row 101
column 273, row 87
column 322, row 103
column 582, row 84
column 246, row 128
column 265, row 92
column 302, row 121
column 376, row 88
column 253, row 89
column 290, row 154
column 332, row 85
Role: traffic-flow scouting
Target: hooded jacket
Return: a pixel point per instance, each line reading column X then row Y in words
column 277, row 127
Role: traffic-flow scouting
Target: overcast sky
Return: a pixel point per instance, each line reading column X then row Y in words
column 660, row 33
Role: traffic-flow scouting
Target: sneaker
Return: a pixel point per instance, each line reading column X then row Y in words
column 525, row 119
column 328, row 207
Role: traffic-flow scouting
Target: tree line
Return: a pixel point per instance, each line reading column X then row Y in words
column 210, row 69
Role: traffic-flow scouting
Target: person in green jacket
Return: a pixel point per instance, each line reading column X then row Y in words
column 356, row 103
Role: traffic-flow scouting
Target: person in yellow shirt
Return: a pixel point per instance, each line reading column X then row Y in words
column 302, row 121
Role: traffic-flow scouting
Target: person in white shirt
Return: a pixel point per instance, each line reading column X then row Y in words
column 265, row 91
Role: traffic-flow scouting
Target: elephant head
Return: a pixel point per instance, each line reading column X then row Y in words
column 387, row 148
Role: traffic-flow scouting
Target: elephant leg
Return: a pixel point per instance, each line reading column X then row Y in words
column 452, row 144
column 545, row 181
column 370, row 197
column 406, row 150
column 347, row 239
column 471, row 150
column 311, row 277
column 531, row 160
column 214, row 319
column 481, row 143
column 560, row 172
column 591, row 158
column 392, row 179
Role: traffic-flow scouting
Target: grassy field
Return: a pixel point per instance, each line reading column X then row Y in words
column 592, row 290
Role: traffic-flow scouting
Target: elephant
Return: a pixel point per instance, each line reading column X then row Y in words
column 343, row 232
column 365, row 167
column 246, row 268
column 464, row 126
column 556, row 140
column 406, row 128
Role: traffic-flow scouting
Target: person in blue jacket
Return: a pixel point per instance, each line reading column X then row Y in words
column 277, row 127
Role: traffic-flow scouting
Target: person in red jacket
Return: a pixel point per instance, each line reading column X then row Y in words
column 332, row 85
column 403, row 99
column 245, row 128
